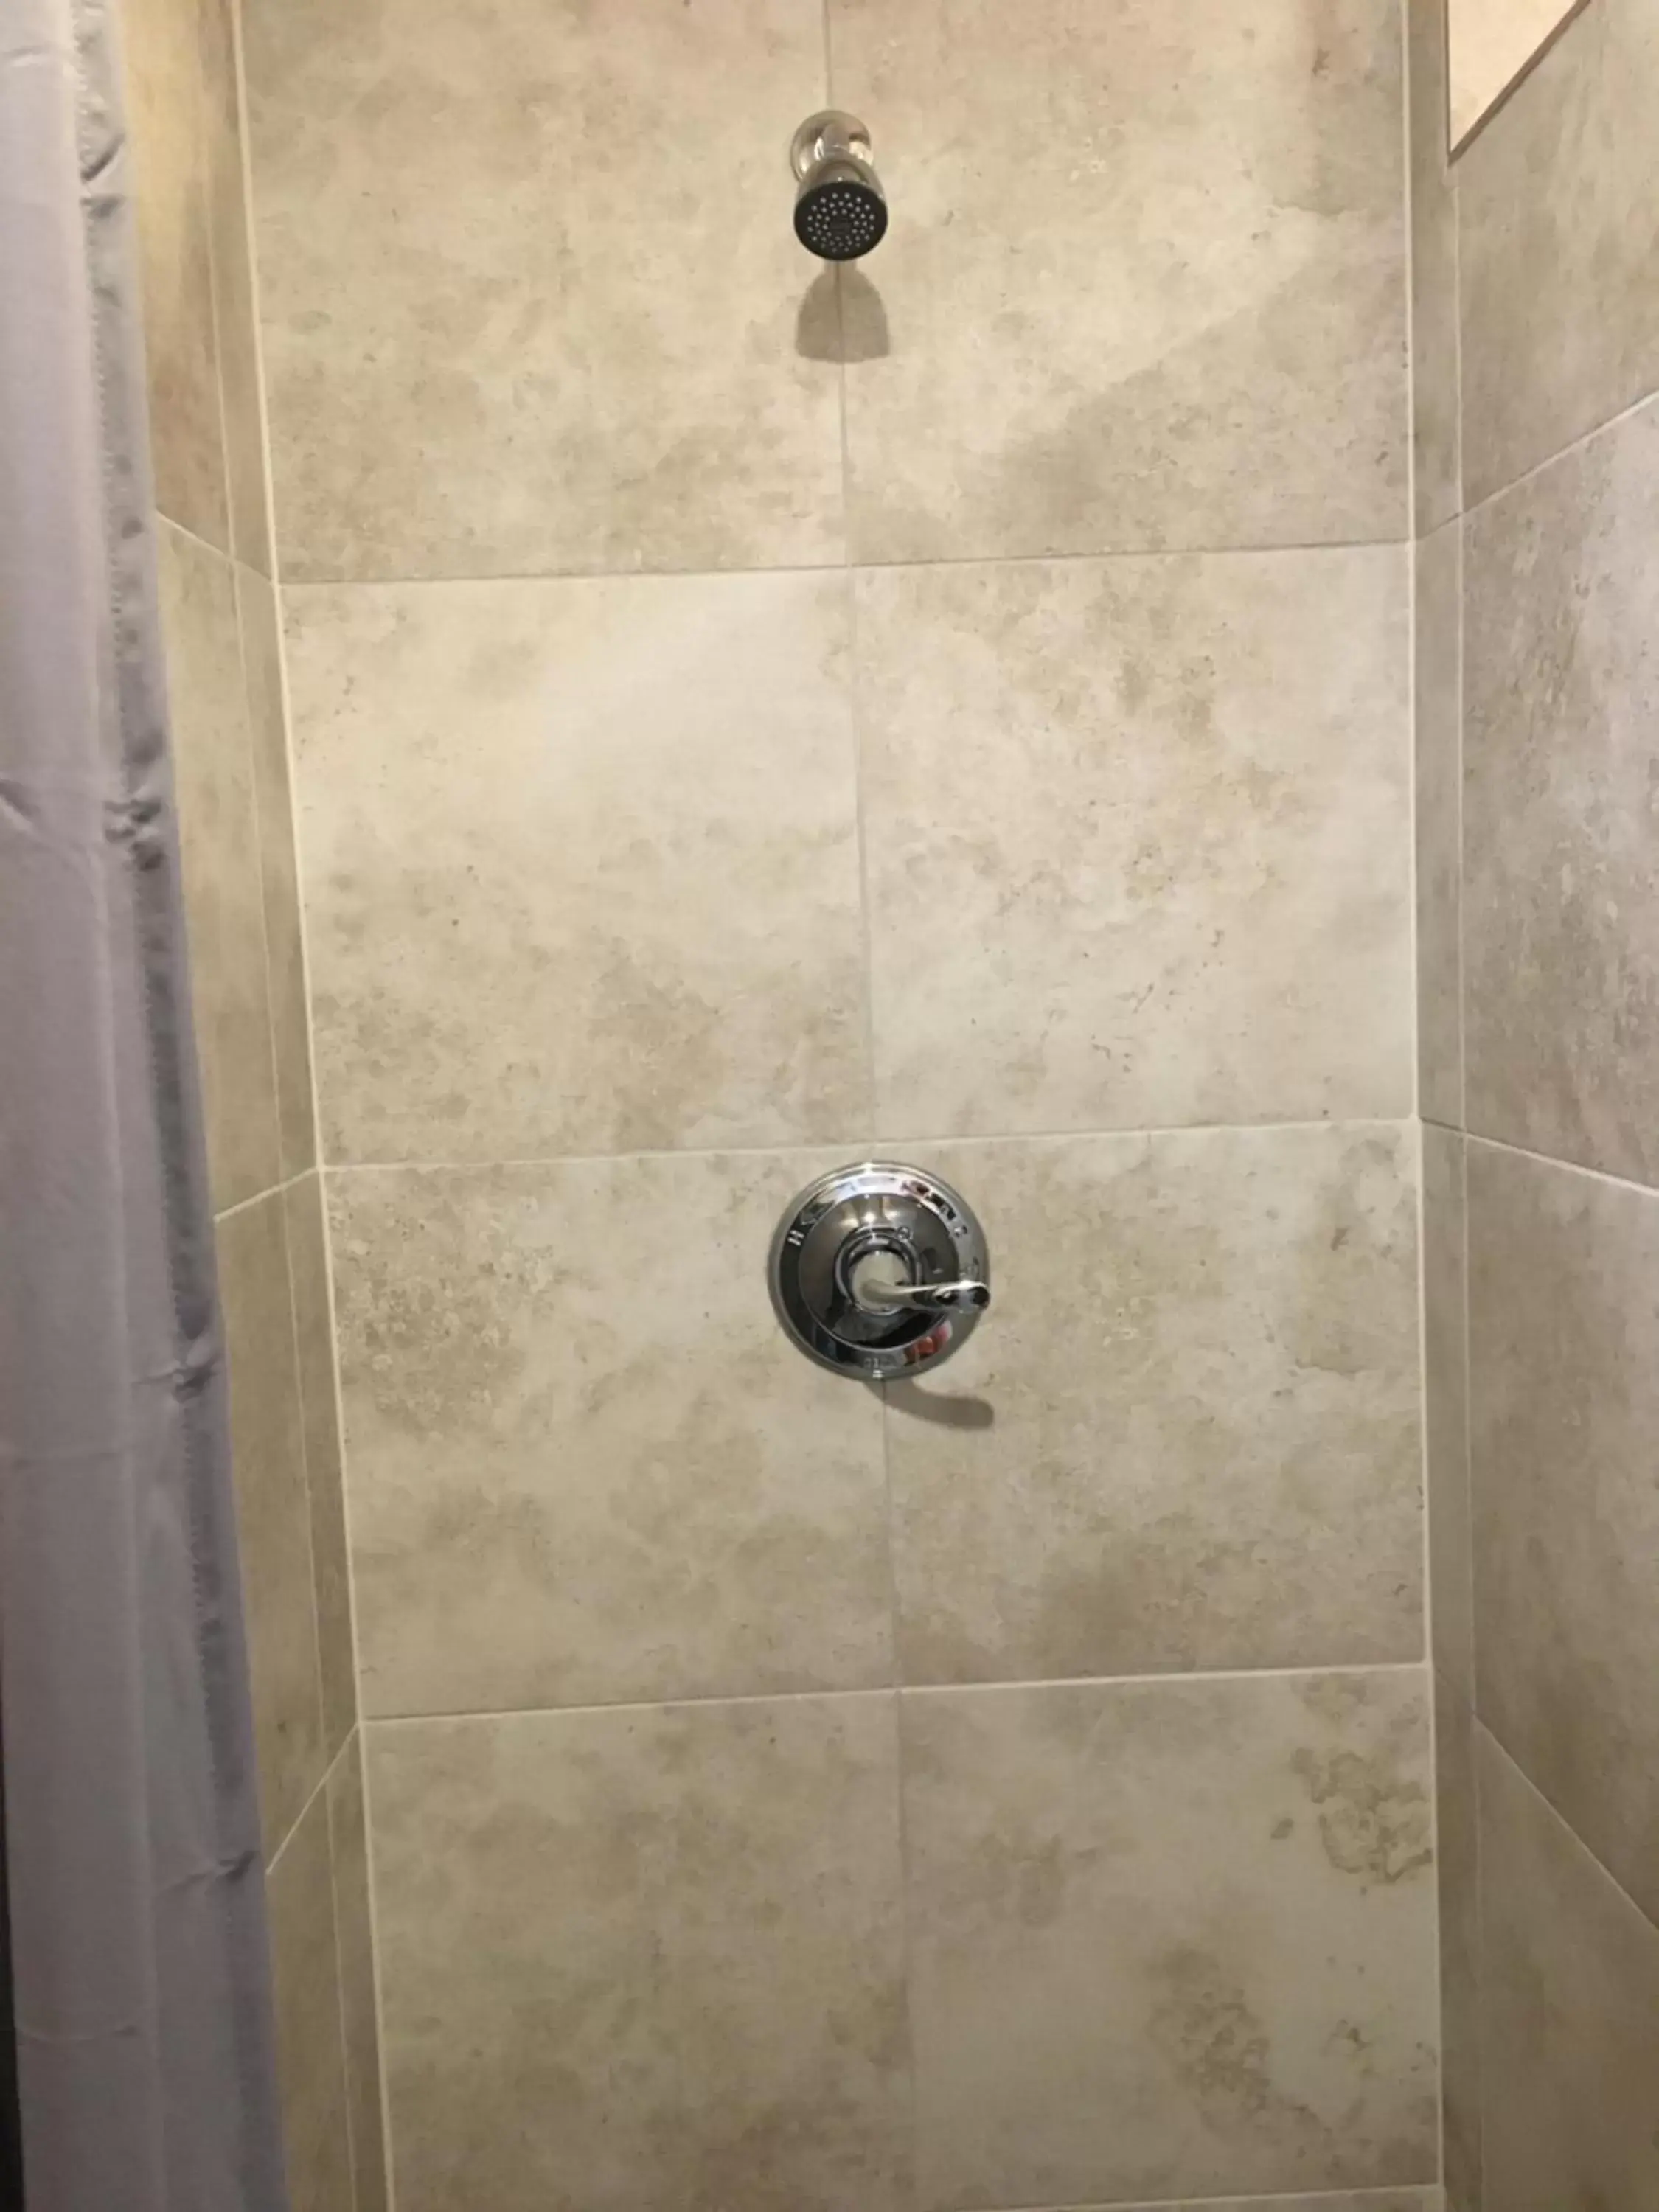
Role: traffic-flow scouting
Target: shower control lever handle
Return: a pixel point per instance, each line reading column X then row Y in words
column 967, row 1295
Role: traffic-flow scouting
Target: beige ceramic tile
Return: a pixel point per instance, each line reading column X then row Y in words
column 1349, row 2200
column 585, row 1464
column 1564, row 1357
column 648, row 1957
column 272, row 1520
column 582, row 865
column 161, row 42
column 1438, row 800
column 1445, row 1390
column 1145, row 281
column 1557, row 239
column 310, row 2059
column 235, row 312
column 284, row 949
column 1171, row 1938
column 213, row 768
column 1187, row 1435
column 1137, row 837
column 1569, row 1996
column 1492, row 43
column 348, row 1841
column 1561, row 828
column 314, row 1331
column 530, row 289
column 1458, row 1846
column 1436, row 453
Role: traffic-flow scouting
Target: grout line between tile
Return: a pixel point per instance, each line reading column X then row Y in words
column 908, row 1140
column 1554, row 1160
column 271, row 1190
column 1574, row 446
column 1486, row 1729
column 831, row 567
column 907, row 1690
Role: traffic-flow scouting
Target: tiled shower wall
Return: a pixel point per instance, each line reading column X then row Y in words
column 220, row 630
column 1538, row 874
column 746, row 720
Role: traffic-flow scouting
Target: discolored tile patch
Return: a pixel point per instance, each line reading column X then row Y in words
column 671, row 1936
column 1170, row 1938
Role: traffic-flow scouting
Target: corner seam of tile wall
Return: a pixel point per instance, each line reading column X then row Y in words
column 356, row 1741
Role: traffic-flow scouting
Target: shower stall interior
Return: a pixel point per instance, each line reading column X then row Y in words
column 1049, row 689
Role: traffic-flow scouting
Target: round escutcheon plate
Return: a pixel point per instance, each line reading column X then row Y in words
column 880, row 1270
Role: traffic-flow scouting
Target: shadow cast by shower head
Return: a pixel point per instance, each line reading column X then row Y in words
column 841, row 210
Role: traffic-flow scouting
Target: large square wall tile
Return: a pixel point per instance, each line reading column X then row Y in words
column 530, row 288
column 1139, row 835
column 645, row 1958
column 1188, row 1434
column 585, row 1465
column 1564, row 1363
column 1171, row 1938
column 582, row 865
column 1145, row 280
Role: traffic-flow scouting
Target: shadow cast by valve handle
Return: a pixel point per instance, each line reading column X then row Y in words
column 943, row 1412
column 841, row 317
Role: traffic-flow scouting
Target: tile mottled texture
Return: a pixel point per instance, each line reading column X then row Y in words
column 1188, row 1434
column 310, row 2057
column 1349, row 2200
column 1561, row 806
column 349, row 1843
column 1171, row 1938
column 530, row 290
column 1436, row 647
column 330, row 1568
column 1564, row 1360
column 582, row 865
column 272, row 1514
column 1145, row 281
column 1435, row 430
column 1459, row 1868
column 1570, row 1994
column 256, row 604
column 1445, row 1409
column 218, row 822
column 648, row 1957
column 586, row 1465
column 1559, row 231
column 1138, row 840
column 167, row 122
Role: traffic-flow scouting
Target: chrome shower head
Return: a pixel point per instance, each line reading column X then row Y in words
column 841, row 210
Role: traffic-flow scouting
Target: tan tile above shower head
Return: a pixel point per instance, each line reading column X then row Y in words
column 530, row 287
column 585, row 1465
column 1145, row 279
column 1169, row 1938
column 582, row 865
column 1186, row 1434
column 1138, row 839
column 645, row 1958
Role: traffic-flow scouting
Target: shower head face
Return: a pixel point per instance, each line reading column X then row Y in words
column 840, row 213
column 841, row 210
